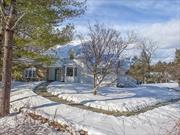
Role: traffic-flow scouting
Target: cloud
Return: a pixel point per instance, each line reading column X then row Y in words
column 167, row 34
column 156, row 6
column 133, row 10
column 166, row 55
column 158, row 20
column 127, row 11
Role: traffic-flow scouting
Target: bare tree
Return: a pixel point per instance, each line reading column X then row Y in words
column 148, row 48
column 103, row 52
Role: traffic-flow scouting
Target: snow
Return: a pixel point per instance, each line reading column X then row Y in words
column 62, row 51
column 174, row 86
column 10, row 124
column 21, row 124
column 17, row 85
column 163, row 85
column 112, row 98
column 156, row 121
column 177, row 88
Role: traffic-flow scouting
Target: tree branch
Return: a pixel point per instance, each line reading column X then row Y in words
column 2, row 8
column 15, row 24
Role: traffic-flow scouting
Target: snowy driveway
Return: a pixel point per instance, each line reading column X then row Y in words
column 157, row 121
column 112, row 98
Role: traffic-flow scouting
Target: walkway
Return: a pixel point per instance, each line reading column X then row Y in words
column 42, row 91
column 150, row 122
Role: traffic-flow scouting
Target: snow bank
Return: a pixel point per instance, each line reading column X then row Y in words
column 173, row 86
column 163, row 85
column 112, row 98
column 156, row 121
column 21, row 124
column 177, row 88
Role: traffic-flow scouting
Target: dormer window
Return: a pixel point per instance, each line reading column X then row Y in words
column 71, row 54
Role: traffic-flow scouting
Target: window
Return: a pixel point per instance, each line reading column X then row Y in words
column 69, row 71
column 30, row 73
column 26, row 73
column 33, row 73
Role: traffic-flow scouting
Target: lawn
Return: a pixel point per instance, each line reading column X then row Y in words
column 160, row 120
column 112, row 98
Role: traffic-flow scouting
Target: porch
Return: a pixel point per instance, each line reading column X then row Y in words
column 66, row 73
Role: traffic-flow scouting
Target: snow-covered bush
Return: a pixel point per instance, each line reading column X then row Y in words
column 22, row 124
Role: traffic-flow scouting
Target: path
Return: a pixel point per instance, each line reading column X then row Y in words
column 42, row 91
column 150, row 122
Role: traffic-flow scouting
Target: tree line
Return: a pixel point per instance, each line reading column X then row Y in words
column 159, row 72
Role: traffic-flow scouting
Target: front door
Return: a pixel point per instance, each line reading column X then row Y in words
column 57, row 74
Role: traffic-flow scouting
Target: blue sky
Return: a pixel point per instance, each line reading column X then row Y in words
column 155, row 19
column 130, row 11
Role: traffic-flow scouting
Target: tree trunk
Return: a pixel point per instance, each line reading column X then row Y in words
column 94, row 84
column 94, row 91
column 6, row 71
column 143, row 73
column 1, row 50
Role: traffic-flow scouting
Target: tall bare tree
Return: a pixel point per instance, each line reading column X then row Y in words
column 147, row 48
column 103, row 52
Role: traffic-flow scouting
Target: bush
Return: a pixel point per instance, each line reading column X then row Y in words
column 22, row 124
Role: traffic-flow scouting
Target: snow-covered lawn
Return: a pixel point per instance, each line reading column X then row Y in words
column 174, row 86
column 18, row 85
column 21, row 123
column 112, row 98
column 156, row 121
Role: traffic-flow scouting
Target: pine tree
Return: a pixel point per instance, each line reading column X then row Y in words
column 30, row 22
column 136, row 69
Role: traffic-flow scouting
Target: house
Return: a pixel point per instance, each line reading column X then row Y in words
column 33, row 70
column 70, row 68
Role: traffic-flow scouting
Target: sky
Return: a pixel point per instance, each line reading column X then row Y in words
column 158, row 20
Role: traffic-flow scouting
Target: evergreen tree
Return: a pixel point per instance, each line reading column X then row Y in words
column 136, row 69
column 160, row 68
column 176, row 66
column 31, row 23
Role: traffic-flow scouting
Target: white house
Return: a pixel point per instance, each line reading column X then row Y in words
column 70, row 68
